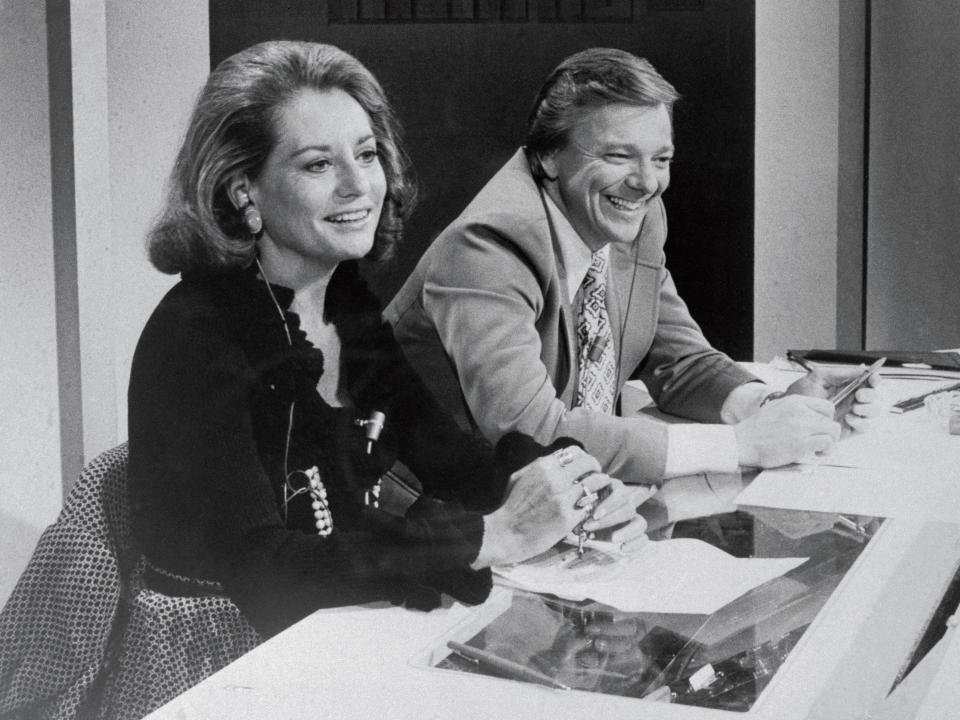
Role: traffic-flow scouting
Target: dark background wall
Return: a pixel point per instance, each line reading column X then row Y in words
column 462, row 75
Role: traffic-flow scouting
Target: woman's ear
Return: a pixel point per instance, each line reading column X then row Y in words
column 238, row 191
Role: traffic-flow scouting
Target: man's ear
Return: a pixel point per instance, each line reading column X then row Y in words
column 548, row 161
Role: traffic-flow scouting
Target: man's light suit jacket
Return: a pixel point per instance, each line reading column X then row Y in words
column 486, row 320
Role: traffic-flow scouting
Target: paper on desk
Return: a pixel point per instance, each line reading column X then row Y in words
column 857, row 491
column 904, row 442
column 669, row 576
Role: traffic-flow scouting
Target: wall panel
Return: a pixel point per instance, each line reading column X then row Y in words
column 913, row 261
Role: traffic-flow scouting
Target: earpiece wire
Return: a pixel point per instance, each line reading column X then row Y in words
column 286, row 445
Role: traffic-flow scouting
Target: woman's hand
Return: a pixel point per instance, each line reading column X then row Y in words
column 824, row 382
column 544, row 502
column 615, row 519
column 618, row 509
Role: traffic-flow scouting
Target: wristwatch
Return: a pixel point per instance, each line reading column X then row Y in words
column 776, row 395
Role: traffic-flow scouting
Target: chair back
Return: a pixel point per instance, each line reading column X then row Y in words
column 83, row 637
column 56, row 628
column 98, row 503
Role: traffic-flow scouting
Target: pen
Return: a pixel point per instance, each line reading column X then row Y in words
column 846, row 391
column 588, row 501
column 851, row 525
column 503, row 667
column 915, row 403
column 799, row 360
column 607, row 548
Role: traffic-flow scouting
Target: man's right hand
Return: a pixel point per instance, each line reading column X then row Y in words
column 786, row 430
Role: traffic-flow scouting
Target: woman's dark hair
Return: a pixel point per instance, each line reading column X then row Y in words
column 232, row 131
column 586, row 80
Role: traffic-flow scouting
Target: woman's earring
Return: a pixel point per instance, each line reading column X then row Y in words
column 251, row 216
column 252, row 219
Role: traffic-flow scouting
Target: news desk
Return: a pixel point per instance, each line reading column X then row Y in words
column 896, row 595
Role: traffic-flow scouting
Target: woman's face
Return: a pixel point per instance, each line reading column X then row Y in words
column 321, row 190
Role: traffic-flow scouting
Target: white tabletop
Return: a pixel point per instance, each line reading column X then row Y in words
column 367, row 662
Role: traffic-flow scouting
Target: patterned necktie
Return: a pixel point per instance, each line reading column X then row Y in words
column 598, row 369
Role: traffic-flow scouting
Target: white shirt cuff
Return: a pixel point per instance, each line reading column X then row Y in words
column 743, row 401
column 693, row 449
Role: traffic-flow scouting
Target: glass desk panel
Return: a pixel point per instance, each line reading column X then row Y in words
column 721, row 661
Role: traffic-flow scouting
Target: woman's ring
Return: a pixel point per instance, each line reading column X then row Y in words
column 589, row 498
column 565, row 455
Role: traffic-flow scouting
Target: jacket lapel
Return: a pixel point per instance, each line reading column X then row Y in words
column 633, row 304
column 568, row 315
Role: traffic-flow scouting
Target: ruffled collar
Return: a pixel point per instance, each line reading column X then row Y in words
column 369, row 354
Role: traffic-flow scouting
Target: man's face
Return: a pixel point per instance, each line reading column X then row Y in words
column 616, row 162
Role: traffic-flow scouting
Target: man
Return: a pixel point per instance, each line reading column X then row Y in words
column 531, row 310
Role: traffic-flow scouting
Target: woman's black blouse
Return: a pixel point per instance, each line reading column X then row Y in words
column 213, row 381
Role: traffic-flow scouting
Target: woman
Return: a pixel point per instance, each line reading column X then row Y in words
column 262, row 379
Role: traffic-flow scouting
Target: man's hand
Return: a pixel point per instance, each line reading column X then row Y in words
column 824, row 382
column 786, row 430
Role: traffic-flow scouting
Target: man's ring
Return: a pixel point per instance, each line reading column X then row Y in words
column 565, row 455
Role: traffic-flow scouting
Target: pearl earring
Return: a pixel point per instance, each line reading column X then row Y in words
column 252, row 219
column 251, row 216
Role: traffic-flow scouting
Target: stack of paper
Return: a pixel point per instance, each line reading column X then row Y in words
column 669, row 576
column 856, row 491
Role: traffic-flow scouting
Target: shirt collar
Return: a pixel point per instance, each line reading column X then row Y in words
column 575, row 255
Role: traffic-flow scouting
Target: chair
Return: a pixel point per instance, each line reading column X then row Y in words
column 81, row 637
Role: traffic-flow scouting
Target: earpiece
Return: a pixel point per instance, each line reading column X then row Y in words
column 251, row 216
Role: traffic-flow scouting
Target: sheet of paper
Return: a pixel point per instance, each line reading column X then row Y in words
column 856, row 491
column 669, row 576
column 904, row 459
column 906, row 442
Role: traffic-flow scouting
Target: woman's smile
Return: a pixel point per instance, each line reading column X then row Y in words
column 349, row 217
column 322, row 188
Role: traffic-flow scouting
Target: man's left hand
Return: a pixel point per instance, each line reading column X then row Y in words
column 824, row 382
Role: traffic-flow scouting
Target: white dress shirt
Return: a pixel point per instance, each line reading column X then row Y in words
column 691, row 447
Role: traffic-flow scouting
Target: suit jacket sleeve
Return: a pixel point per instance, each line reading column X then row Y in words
column 685, row 375
column 485, row 300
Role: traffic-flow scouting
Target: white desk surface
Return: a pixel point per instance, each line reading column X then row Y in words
column 360, row 662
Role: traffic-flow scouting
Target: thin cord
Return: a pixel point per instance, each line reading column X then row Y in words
column 626, row 312
column 283, row 317
column 286, row 330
